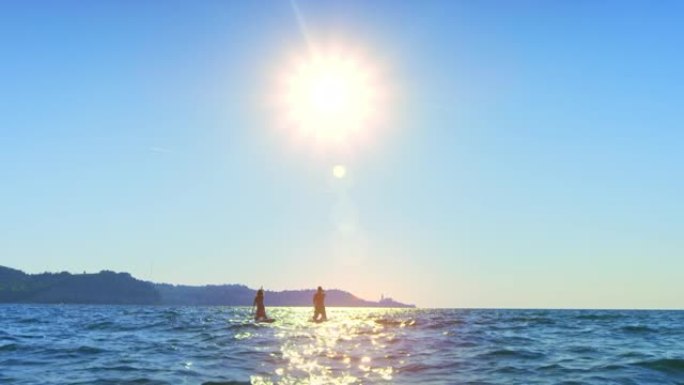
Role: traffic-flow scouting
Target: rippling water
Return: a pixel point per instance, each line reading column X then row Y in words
column 204, row 345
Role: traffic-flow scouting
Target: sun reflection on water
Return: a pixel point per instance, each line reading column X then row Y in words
column 351, row 348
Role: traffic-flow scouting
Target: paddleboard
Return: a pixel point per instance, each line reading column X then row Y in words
column 265, row 321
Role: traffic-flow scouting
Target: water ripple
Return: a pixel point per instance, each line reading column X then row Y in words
column 219, row 345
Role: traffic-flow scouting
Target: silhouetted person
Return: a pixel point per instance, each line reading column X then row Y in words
column 260, row 308
column 319, row 305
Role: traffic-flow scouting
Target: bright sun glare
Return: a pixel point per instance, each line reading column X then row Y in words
column 339, row 171
column 329, row 98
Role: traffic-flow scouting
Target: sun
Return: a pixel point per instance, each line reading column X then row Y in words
column 339, row 171
column 329, row 98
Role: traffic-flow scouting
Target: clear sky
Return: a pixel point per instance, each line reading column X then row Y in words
column 530, row 152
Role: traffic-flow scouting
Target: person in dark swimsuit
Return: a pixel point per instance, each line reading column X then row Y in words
column 260, row 308
column 319, row 305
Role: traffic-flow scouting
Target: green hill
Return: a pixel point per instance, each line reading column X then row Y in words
column 105, row 287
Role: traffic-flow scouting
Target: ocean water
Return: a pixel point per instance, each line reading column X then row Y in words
column 71, row 344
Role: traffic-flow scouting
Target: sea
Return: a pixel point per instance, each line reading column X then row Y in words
column 83, row 344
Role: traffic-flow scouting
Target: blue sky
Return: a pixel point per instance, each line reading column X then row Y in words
column 532, row 155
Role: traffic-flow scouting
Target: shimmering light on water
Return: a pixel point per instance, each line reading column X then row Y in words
column 337, row 352
column 197, row 345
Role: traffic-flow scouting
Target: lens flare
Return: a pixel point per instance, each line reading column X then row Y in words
column 339, row 171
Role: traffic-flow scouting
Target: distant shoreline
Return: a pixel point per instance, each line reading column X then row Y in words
column 112, row 288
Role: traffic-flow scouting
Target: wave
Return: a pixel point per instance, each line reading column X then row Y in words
column 667, row 365
column 637, row 329
column 441, row 324
column 554, row 367
column 32, row 321
column 9, row 347
column 610, row 367
column 395, row 323
column 137, row 381
column 89, row 350
column 512, row 370
column 599, row 317
column 102, row 325
column 120, row 368
column 244, row 325
column 582, row 349
column 509, row 353
column 534, row 320
column 418, row 368
column 10, row 362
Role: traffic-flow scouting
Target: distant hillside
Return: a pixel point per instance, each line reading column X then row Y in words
column 107, row 287
column 239, row 295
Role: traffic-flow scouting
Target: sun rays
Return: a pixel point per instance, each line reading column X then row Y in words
column 329, row 99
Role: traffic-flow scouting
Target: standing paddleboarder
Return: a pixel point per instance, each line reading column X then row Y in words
column 260, row 308
column 319, row 306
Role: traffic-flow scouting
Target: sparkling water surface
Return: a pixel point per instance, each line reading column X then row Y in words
column 74, row 344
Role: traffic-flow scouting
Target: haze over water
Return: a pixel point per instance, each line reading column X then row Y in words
column 193, row 345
